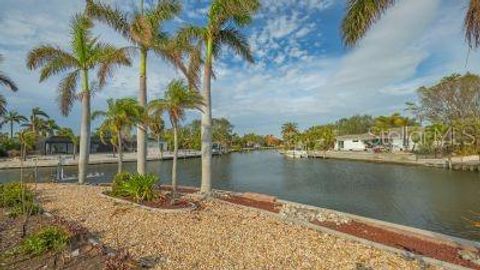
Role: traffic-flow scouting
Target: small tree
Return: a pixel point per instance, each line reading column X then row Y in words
column 178, row 98
column 119, row 118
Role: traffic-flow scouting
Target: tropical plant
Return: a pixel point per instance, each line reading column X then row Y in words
column 27, row 139
column 87, row 53
column 117, row 183
column 18, row 199
column 140, row 187
column 37, row 117
column 119, row 118
column 143, row 29
column 50, row 127
column 223, row 20
column 13, row 117
column 68, row 132
column 178, row 98
column 362, row 14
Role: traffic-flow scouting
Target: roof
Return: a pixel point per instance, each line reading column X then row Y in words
column 57, row 139
column 360, row 137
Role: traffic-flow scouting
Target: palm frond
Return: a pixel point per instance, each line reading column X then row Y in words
column 472, row 24
column 67, row 92
column 44, row 54
column 164, row 10
column 361, row 15
column 80, row 28
column 5, row 80
column 109, row 57
column 112, row 17
column 3, row 105
column 237, row 42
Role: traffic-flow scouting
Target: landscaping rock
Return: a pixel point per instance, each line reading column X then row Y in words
column 259, row 197
column 219, row 236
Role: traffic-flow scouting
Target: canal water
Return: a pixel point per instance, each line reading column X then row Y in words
column 427, row 198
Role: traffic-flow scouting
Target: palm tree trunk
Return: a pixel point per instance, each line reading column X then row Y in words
column 11, row 129
column 175, row 154
column 120, row 152
column 74, row 150
column 206, row 129
column 84, row 131
column 142, row 100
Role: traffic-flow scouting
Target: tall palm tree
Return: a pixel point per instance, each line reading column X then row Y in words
column 143, row 29
column 119, row 118
column 178, row 98
column 13, row 117
column 68, row 132
column 224, row 19
column 5, row 80
column 362, row 14
column 87, row 53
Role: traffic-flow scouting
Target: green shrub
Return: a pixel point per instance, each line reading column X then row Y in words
column 50, row 238
column 118, row 182
column 18, row 199
column 140, row 187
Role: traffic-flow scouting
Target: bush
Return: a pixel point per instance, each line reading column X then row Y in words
column 50, row 238
column 18, row 198
column 140, row 187
column 118, row 182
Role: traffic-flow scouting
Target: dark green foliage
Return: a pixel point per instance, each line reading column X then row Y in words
column 139, row 187
column 50, row 238
column 18, row 199
column 118, row 182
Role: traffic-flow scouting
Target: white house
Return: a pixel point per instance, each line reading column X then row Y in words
column 356, row 142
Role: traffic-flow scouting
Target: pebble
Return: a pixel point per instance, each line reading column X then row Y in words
column 217, row 236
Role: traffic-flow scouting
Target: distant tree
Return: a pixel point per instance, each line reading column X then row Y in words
column 13, row 117
column 222, row 131
column 454, row 98
column 27, row 139
column 37, row 117
column 156, row 125
column 289, row 133
column 319, row 138
column 356, row 124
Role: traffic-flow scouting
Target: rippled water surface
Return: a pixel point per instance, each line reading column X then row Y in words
column 427, row 198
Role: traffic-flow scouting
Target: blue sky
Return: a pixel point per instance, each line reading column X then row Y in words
column 302, row 73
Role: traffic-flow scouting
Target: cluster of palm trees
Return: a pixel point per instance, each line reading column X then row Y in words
column 188, row 50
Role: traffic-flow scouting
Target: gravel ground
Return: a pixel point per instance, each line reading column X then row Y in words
column 219, row 236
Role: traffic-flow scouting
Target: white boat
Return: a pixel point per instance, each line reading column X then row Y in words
column 296, row 153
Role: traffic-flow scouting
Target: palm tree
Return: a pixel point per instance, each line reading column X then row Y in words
column 50, row 127
column 5, row 80
column 119, row 118
column 87, row 53
column 224, row 17
column 362, row 14
column 156, row 126
column 178, row 98
column 13, row 117
column 36, row 117
column 68, row 132
column 27, row 139
column 143, row 29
